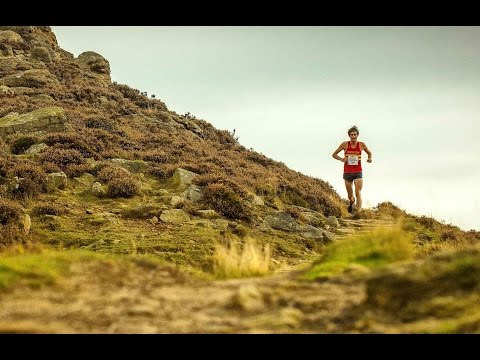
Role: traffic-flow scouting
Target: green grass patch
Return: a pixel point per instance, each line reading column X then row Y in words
column 47, row 266
column 374, row 249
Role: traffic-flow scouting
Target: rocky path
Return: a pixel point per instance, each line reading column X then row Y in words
column 106, row 298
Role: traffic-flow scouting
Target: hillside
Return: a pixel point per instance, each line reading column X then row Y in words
column 98, row 178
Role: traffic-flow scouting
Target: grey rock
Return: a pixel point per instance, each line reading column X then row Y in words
column 56, row 181
column 281, row 221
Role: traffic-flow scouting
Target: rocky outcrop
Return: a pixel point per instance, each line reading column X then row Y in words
column 11, row 38
column 189, row 125
column 33, row 35
column 281, row 221
column 41, row 120
column 34, row 78
column 16, row 64
column 182, row 178
column 94, row 65
column 285, row 222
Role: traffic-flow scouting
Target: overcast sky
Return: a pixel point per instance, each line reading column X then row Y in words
column 291, row 93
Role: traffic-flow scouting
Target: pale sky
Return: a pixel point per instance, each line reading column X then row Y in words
column 291, row 93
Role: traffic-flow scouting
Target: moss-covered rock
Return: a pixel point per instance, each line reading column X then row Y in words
column 41, row 120
column 56, row 181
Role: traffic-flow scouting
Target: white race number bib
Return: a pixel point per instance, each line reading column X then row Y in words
column 352, row 160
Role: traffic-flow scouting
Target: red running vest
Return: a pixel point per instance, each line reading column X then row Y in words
column 354, row 157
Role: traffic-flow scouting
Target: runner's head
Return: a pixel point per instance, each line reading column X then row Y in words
column 353, row 131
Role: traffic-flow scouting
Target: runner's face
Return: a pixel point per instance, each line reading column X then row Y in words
column 353, row 136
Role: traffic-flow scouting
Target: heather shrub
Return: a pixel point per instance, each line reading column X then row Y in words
column 49, row 208
column 32, row 179
column 62, row 157
column 123, row 187
column 10, row 212
column 226, row 202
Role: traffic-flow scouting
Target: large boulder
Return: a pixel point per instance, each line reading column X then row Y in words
column 11, row 38
column 42, row 120
column 281, row 221
column 182, row 178
column 94, row 64
column 34, row 78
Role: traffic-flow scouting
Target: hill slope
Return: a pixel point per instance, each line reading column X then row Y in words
column 144, row 192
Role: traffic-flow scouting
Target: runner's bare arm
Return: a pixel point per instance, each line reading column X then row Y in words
column 340, row 148
column 369, row 153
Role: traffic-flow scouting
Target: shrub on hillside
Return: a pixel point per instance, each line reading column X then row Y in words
column 223, row 200
column 163, row 171
column 32, row 179
column 49, row 208
column 100, row 123
column 120, row 182
column 123, row 187
column 260, row 159
column 62, row 157
column 87, row 143
column 12, row 234
column 10, row 212
column 4, row 165
column 157, row 156
column 75, row 170
column 231, row 262
column 106, row 172
column 389, row 209
column 50, row 167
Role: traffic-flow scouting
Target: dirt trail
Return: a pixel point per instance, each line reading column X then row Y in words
column 103, row 298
